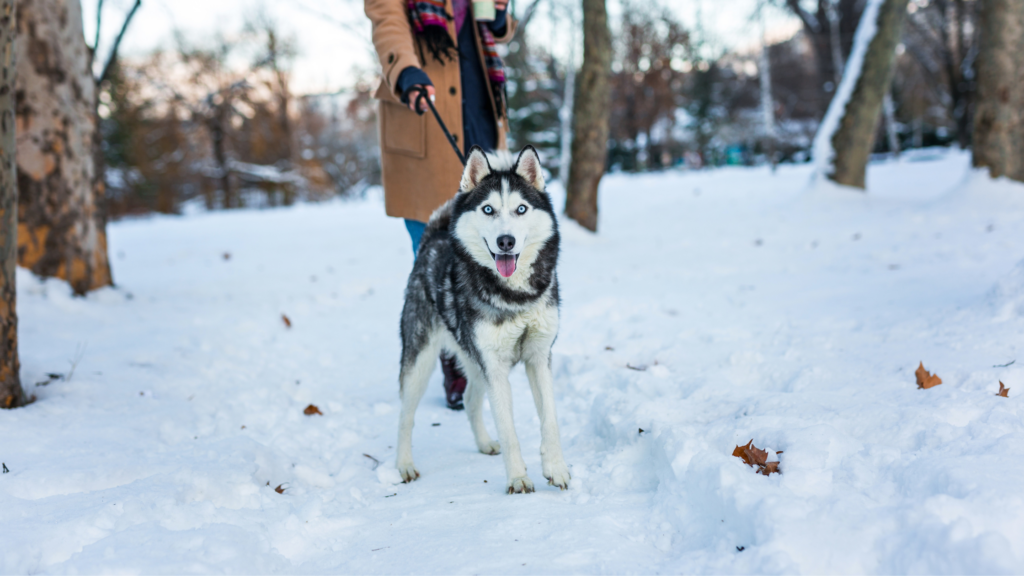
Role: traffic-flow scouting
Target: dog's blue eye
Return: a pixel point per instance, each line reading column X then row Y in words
column 488, row 210
column 522, row 209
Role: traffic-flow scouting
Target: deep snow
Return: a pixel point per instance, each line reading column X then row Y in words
column 761, row 310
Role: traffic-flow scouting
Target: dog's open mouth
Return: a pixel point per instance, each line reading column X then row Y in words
column 506, row 263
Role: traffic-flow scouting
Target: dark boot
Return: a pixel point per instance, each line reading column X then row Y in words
column 454, row 381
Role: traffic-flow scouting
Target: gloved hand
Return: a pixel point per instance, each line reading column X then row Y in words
column 408, row 81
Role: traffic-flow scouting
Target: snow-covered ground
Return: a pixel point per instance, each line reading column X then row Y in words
column 760, row 308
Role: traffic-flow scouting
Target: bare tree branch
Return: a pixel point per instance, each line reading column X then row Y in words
column 117, row 43
column 99, row 22
column 527, row 15
column 808, row 19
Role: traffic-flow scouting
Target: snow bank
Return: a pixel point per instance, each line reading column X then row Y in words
column 1008, row 295
column 822, row 151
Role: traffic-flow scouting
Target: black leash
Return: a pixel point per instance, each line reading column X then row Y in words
column 422, row 95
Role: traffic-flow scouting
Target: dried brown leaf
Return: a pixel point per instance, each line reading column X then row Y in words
column 280, row 489
column 311, row 410
column 1003, row 391
column 750, row 454
column 287, row 321
column 926, row 379
column 757, row 458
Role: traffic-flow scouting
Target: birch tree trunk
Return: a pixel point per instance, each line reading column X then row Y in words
column 11, row 394
column 999, row 116
column 62, row 224
column 767, row 102
column 565, row 111
column 591, row 107
column 854, row 136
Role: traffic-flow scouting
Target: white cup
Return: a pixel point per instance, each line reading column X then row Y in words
column 484, row 10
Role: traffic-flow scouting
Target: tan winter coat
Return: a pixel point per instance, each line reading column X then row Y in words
column 420, row 169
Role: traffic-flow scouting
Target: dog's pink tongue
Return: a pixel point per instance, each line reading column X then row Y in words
column 506, row 264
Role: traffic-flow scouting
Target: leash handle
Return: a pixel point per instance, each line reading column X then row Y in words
column 422, row 95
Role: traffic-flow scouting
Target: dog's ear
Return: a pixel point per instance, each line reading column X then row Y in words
column 477, row 168
column 528, row 167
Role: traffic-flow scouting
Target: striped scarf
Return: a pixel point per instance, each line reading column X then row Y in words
column 430, row 21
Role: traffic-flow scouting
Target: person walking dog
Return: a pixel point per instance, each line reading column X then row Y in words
column 447, row 48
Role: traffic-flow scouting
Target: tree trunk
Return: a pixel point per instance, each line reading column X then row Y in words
column 835, row 42
column 218, row 122
column 62, row 223
column 952, row 34
column 767, row 102
column 11, row 394
column 591, row 107
column 565, row 118
column 890, row 125
column 999, row 119
column 854, row 137
column 568, row 99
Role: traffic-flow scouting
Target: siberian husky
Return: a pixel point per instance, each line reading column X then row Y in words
column 484, row 288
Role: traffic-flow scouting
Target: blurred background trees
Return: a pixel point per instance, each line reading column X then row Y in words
column 596, row 85
column 217, row 121
column 191, row 127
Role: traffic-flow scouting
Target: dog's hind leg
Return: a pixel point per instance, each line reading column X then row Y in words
column 474, row 409
column 414, row 378
column 538, row 370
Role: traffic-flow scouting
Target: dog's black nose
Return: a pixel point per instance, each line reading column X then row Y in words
column 506, row 242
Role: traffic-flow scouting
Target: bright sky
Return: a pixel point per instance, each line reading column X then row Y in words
column 333, row 35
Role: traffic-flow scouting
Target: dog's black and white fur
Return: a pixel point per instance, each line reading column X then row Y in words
column 484, row 288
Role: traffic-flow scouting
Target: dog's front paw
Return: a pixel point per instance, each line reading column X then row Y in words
column 522, row 485
column 490, row 448
column 408, row 472
column 558, row 475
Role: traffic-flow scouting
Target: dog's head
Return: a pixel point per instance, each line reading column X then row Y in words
column 502, row 217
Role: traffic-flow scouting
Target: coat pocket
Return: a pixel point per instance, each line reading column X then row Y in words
column 403, row 130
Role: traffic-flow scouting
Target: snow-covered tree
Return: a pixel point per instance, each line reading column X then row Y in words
column 847, row 134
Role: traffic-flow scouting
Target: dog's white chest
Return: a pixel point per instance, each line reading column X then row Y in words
column 508, row 338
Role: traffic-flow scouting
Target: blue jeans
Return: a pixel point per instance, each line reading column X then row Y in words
column 415, row 228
